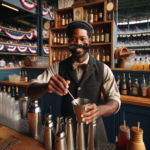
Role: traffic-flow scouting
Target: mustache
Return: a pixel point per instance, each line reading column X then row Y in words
column 73, row 47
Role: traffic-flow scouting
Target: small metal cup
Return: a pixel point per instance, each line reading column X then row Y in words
column 79, row 109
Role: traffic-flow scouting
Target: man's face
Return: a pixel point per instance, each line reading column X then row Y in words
column 79, row 37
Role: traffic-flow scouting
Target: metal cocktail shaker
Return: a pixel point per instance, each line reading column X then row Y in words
column 80, row 139
column 34, row 118
column 49, row 135
column 60, row 143
column 91, row 145
column 69, row 133
column 60, row 124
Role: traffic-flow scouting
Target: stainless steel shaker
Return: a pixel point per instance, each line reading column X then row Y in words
column 49, row 135
column 69, row 133
column 60, row 143
column 80, row 138
column 91, row 145
column 34, row 118
column 60, row 124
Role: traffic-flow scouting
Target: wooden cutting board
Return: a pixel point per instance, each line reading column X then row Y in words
column 13, row 140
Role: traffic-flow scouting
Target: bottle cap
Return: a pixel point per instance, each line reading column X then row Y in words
column 60, row 119
column 34, row 102
column 69, row 120
column 48, row 116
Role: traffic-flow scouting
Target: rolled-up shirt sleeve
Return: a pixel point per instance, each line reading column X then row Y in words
column 109, row 88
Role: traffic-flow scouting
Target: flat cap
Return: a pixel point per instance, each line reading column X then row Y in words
column 80, row 24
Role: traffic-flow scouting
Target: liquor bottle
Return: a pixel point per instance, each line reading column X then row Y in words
column 107, row 36
column 96, row 16
column 63, row 21
column 107, row 58
column 66, row 20
column 93, row 37
column 55, row 39
column 54, row 57
column 146, row 64
column 93, row 53
column 26, row 77
column 17, row 93
column 65, row 39
column 61, row 39
column 118, row 82
column 102, row 36
column 66, row 56
column 135, row 88
column 58, row 39
column 4, row 88
column 97, row 37
column 123, row 86
column 86, row 16
column 70, row 18
column 62, row 56
column 140, row 64
column 91, row 16
column 22, row 78
column 135, row 64
column 129, row 86
column 59, row 21
column 9, row 90
column 103, row 56
column 100, row 15
column 148, row 89
column 97, row 55
column 109, row 16
column 13, row 92
column 144, row 88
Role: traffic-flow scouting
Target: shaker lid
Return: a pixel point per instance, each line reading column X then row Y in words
column 24, row 99
column 60, row 135
column 69, row 120
column 60, row 119
column 48, row 116
column 34, row 102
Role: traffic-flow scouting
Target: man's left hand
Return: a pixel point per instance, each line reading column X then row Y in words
column 91, row 114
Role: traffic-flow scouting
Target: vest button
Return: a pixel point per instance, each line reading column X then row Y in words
column 78, row 97
column 79, row 88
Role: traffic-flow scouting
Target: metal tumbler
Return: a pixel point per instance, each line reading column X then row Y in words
column 69, row 133
column 34, row 118
column 60, row 143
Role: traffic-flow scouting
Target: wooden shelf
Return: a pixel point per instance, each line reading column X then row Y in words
column 59, row 28
column 59, row 46
column 100, row 23
column 10, row 68
column 122, row 69
column 35, row 67
column 20, row 84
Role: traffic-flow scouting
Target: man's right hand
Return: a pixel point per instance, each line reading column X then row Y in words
column 58, row 85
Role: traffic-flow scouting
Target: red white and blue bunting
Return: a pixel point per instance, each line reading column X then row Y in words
column 26, row 4
column 46, row 51
column 22, row 49
column 0, row 29
column 1, row 47
column 10, row 48
column 45, row 12
column 32, row 50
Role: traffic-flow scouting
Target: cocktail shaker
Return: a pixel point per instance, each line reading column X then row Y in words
column 34, row 118
column 69, row 133
column 60, row 143
column 80, row 138
column 60, row 124
column 91, row 145
column 49, row 135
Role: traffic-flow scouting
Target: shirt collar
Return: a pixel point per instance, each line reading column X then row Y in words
column 85, row 62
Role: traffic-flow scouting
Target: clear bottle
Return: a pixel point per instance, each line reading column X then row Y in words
column 97, row 37
column 55, row 39
column 129, row 86
column 91, row 16
column 103, row 56
column 135, row 64
column 58, row 39
column 59, row 21
column 102, row 36
column 63, row 21
column 140, row 64
column 96, row 16
column 65, row 39
column 66, row 20
column 146, row 64
column 86, row 16
column 107, row 36
column 97, row 55
column 100, row 15
column 61, row 39
column 93, row 37
column 144, row 88
column 124, row 86
column 148, row 89
column 135, row 88
column 54, row 57
column 70, row 18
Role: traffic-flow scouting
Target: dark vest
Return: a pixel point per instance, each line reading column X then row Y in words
column 88, row 87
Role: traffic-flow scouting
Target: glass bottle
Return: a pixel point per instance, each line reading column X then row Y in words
column 93, row 53
column 100, row 15
column 96, row 16
column 59, row 21
column 140, row 64
column 97, row 55
column 107, row 58
column 61, row 39
column 66, row 56
column 93, row 37
column 129, row 86
column 54, row 57
column 91, row 16
column 135, row 64
column 124, row 86
column 144, row 88
column 65, row 39
column 70, row 18
column 86, row 16
column 22, row 78
column 55, row 39
column 13, row 92
column 97, row 37
column 146, row 64
column 109, row 16
column 9, row 90
column 118, row 82
column 135, row 88
column 17, row 93
column 102, row 36
column 107, row 36
column 148, row 89
column 63, row 21
column 59, row 56
column 58, row 39
column 62, row 56
column 103, row 56
column 66, row 20
column 26, row 77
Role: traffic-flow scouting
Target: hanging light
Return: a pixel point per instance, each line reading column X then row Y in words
column 13, row 8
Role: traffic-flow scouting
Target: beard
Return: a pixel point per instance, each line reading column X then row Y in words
column 72, row 48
